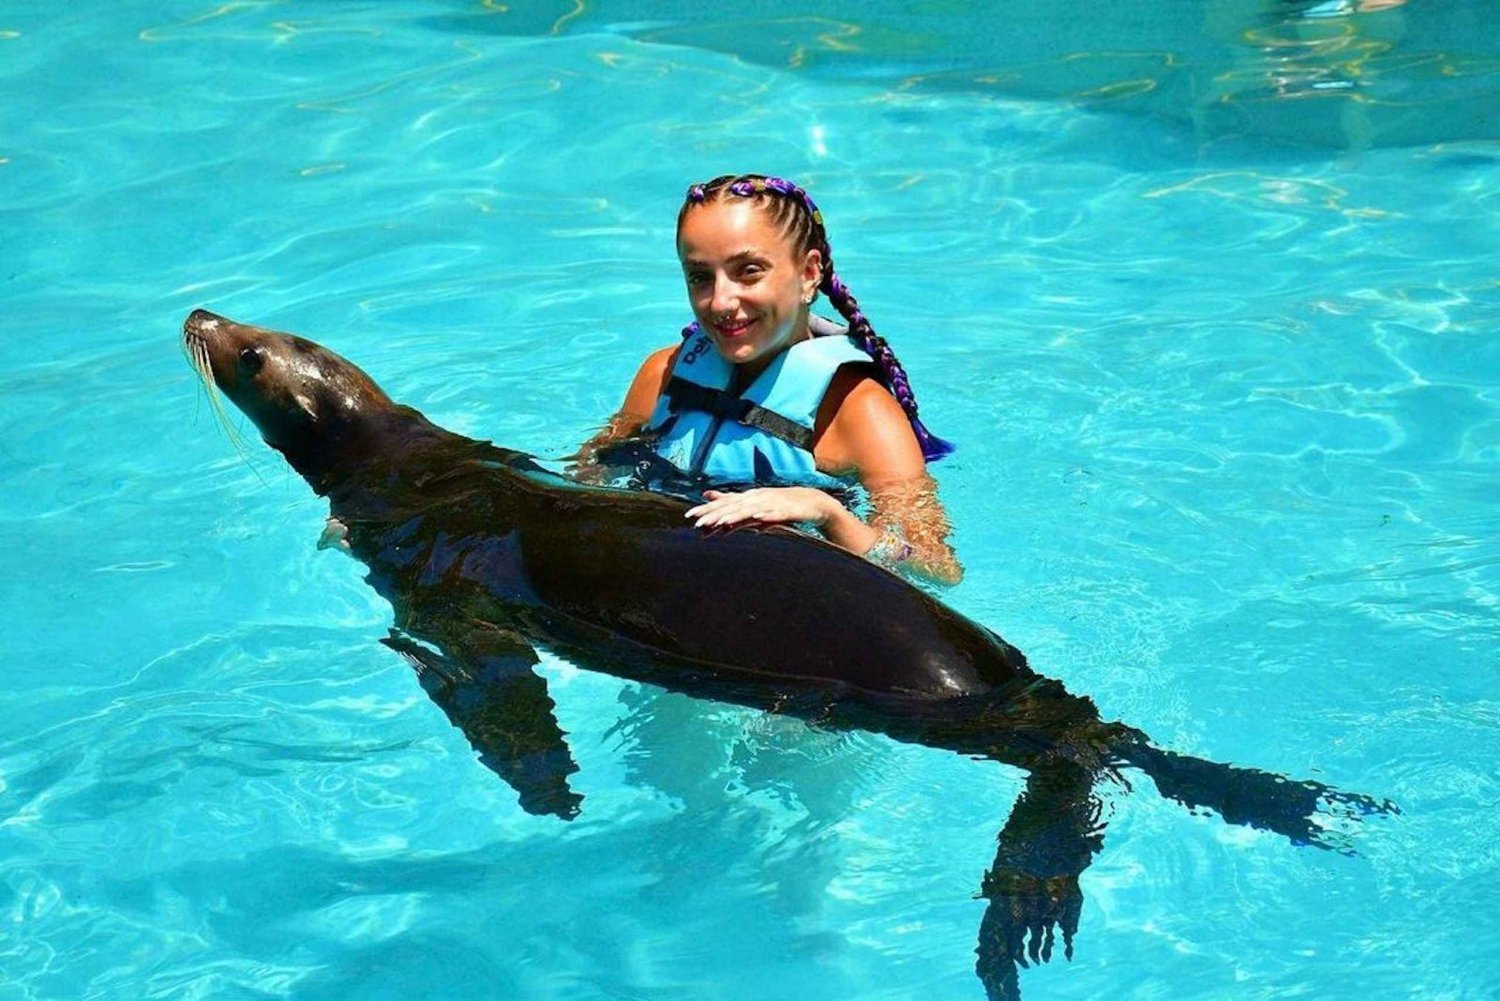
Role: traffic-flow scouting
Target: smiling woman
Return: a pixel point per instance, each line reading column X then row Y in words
column 761, row 392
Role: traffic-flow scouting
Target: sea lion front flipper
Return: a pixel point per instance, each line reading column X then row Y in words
column 1050, row 838
column 486, row 685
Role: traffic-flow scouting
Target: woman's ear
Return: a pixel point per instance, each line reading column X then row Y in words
column 812, row 275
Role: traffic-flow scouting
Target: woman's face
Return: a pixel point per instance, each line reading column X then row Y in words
column 748, row 289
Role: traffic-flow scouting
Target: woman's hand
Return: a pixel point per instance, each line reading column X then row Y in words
column 782, row 505
column 764, row 506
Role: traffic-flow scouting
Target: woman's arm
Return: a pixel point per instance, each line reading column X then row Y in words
column 869, row 435
column 861, row 430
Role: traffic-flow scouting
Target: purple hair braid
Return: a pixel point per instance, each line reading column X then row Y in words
column 891, row 370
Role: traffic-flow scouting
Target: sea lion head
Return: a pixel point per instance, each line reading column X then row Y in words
column 314, row 407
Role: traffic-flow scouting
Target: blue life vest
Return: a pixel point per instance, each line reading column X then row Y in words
column 764, row 435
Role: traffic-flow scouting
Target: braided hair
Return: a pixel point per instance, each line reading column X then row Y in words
column 792, row 211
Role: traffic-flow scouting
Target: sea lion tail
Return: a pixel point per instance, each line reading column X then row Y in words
column 1304, row 811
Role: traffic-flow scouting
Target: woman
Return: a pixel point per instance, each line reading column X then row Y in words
column 760, row 390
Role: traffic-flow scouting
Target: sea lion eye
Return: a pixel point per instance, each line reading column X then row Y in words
column 251, row 360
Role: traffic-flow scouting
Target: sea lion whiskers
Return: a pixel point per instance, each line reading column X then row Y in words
column 196, row 349
column 197, row 352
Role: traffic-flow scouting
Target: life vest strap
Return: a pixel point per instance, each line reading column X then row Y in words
column 684, row 395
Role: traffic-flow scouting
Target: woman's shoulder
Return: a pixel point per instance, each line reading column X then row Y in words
column 861, row 426
column 650, row 381
column 662, row 359
column 857, row 396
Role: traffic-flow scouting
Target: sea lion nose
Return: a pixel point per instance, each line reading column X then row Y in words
column 202, row 319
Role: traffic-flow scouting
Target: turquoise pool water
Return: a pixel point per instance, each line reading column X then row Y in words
column 1208, row 304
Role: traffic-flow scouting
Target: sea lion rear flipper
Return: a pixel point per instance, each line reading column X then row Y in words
column 486, row 685
column 1305, row 811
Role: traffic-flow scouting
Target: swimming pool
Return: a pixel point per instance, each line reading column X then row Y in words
column 1216, row 344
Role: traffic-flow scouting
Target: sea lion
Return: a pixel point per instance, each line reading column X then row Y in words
column 485, row 556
